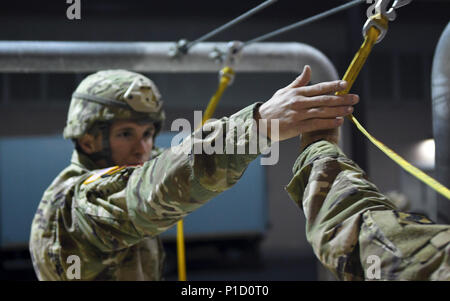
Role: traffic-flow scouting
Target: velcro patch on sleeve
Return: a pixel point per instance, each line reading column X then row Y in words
column 412, row 219
column 441, row 240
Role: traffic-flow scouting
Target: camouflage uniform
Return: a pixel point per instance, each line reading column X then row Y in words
column 111, row 218
column 348, row 220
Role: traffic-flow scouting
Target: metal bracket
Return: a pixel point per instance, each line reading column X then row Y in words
column 380, row 23
column 233, row 53
column 179, row 49
column 383, row 11
column 230, row 56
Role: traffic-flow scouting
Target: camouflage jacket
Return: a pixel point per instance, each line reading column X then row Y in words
column 111, row 218
column 352, row 227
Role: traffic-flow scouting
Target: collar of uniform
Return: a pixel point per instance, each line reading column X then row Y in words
column 82, row 161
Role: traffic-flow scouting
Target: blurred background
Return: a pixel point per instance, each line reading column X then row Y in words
column 254, row 231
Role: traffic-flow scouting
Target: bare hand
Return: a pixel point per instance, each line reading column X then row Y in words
column 300, row 108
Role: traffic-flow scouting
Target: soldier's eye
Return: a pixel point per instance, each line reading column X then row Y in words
column 124, row 134
column 149, row 133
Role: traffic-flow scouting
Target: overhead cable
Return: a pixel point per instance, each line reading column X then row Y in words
column 183, row 46
column 304, row 22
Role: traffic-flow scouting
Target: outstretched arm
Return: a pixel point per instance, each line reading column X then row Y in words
column 176, row 183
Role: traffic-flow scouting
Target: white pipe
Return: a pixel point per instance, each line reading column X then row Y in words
column 38, row 56
column 440, row 89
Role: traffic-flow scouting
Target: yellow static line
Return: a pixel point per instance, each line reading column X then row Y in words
column 225, row 80
column 350, row 76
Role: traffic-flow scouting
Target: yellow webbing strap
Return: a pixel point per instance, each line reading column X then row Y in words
column 225, row 80
column 350, row 76
column 181, row 253
column 227, row 74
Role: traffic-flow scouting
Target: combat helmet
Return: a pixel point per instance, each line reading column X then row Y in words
column 110, row 95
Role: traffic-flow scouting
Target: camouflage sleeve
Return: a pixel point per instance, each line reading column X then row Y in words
column 181, row 179
column 122, row 206
column 353, row 228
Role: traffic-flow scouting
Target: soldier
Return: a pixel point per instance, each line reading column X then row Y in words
column 355, row 231
column 119, row 192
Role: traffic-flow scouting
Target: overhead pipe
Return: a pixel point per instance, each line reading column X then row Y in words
column 61, row 57
column 440, row 90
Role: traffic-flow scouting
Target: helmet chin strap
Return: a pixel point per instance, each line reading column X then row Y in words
column 105, row 153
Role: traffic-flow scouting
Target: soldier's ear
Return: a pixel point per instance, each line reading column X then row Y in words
column 89, row 144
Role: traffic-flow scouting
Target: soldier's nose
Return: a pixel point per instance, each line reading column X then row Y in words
column 142, row 147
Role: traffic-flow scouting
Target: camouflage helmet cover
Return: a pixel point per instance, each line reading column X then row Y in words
column 111, row 95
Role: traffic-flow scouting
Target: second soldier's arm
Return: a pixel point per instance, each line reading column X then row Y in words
column 355, row 231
